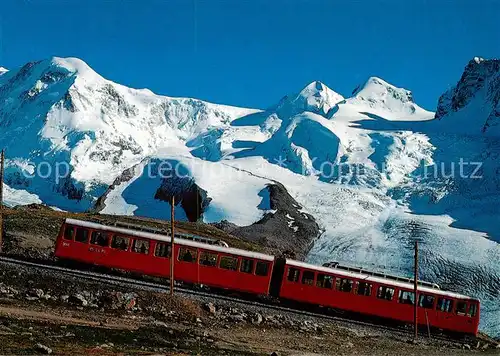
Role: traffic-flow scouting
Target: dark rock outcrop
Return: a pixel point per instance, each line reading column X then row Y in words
column 288, row 229
column 192, row 198
column 480, row 77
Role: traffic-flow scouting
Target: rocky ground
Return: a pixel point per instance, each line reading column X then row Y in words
column 43, row 312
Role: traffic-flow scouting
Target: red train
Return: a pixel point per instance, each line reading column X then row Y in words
column 262, row 274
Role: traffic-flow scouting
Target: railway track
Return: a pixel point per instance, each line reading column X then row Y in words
column 133, row 282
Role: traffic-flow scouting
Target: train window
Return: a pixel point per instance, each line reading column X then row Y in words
column 187, row 255
column 386, row 293
column 445, row 305
column 229, row 263
column 82, row 235
column 120, row 242
column 262, row 268
column 293, row 274
column 406, row 297
column 426, row 301
column 246, row 266
column 472, row 310
column 208, row 259
column 324, row 281
column 68, row 232
column 99, row 238
column 364, row 289
column 141, row 246
column 308, row 278
column 344, row 285
column 163, row 250
column 461, row 308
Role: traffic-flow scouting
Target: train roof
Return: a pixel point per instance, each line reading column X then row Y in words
column 379, row 280
column 166, row 238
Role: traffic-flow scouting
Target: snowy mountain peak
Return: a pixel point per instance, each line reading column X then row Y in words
column 475, row 100
column 73, row 65
column 478, row 59
column 378, row 96
column 377, row 89
column 316, row 97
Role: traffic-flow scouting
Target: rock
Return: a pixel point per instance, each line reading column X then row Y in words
column 257, row 319
column 348, row 345
column 36, row 292
column 31, row 299
column 485, row 346
column 43, row 349
column 69, row 335
column 211, row 308
column 8, row 291
column 79, row 299
column 198, row 320
column 107, row 345
column 159, row 324
column 466, row 346
column 274, row 353
column 64, row 298
column 237, row 317
column 119, row 300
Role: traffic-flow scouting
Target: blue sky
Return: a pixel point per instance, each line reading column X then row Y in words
column 252, row 52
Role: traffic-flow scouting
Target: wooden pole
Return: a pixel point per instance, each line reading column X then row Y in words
column 415, row 285
column 2, row 158
column 172, row 245
column 428, row 326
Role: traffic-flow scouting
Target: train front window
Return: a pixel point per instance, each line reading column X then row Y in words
column 461, row 308
column 246, row 266
column 344, row 285
column 68, row 232
column 293, row 274
column 208, row 259
column 472, row 310
column 386, row 293
column 426, row 301
column 120, row 242
column 364, row 289
column 82, row 235
column 141, row 246
column 187, row 255
column 163, row 250
column 324, row 281
column 99, row 238
column 227, row 262
column 262, row 268
column 406, row 297
column 445, row 305
column 308, row 278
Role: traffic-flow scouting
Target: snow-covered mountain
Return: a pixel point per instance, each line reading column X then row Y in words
column 372, row 169
column 474, row 103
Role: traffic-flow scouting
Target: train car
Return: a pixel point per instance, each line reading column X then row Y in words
column 149, row 254
column 379, row 297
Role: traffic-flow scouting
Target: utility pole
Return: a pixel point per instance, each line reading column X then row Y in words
column 2, row 159
column 415, row 285
column 172, row 244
